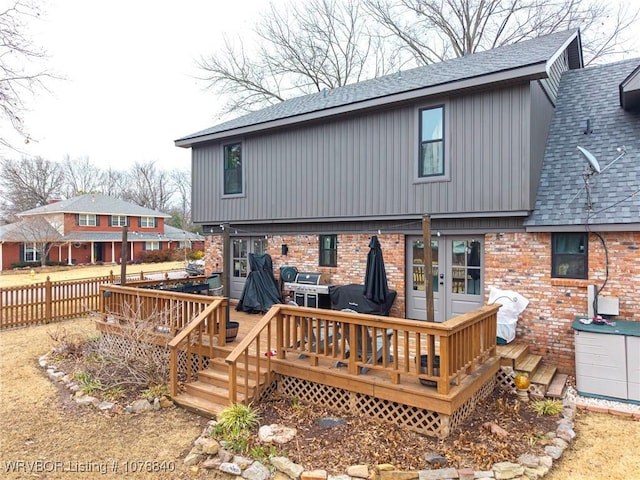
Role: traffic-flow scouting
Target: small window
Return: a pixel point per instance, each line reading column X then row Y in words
column 328, row 251
column 152, row 245
column 118, row 221
column 569, row 255
column 233, row 169
column 431, row 148
column 147, row 222
column 87, row 220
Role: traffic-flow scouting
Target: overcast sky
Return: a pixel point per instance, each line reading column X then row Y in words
column 129, row 66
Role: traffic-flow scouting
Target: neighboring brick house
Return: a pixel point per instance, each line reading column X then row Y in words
column 88, row 229
column 311, row 179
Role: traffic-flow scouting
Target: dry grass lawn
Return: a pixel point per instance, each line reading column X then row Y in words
column 39, row 422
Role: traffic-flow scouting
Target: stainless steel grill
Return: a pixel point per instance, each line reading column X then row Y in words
column 309, row 291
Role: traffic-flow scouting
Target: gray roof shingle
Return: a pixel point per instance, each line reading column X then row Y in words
column 95, row 204
column 590, row 94
column 531, row 52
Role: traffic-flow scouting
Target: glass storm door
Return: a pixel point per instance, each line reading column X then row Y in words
column 240, row 250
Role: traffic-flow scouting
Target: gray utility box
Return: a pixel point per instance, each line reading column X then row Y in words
column 608, row 360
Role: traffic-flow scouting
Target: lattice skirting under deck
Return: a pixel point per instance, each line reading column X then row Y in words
column 417, row 419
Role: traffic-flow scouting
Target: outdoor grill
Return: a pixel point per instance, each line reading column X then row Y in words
column 309, row 291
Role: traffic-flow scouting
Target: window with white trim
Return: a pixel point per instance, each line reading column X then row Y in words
column 147, row 222
column 87, row 220
column 152, row 245
column 119, row 221
column 31, row 253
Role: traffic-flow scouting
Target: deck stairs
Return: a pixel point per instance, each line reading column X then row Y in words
column 210, row 393
column 545, row 379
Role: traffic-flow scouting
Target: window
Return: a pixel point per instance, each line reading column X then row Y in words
column 147, row 222
column 431, row 149
column 31, row 253
column 232, row 169
column 569, row 255
column 119, row 221
column 328, row 251
column 152, row 245
column 87, row 220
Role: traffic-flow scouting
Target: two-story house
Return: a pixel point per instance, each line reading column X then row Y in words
column 311, row 179
column 88, row 229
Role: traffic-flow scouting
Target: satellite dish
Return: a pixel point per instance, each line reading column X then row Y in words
column 591, row 159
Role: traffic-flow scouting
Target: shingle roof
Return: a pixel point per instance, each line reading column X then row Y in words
column 590, row 94
column 97, row 204
column 510, row 57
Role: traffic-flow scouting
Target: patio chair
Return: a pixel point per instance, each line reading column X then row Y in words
column 369, row 342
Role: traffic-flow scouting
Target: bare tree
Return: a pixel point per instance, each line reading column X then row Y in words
column 181, row 209
column 20, row 72
column 148, row 186
column 29, row 183
column 302, row 48
column 81, row 176
column 114, row 183
column 435, row 30
column 40, row 233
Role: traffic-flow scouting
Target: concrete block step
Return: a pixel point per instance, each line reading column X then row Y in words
column 558, row 386
column 529, row 364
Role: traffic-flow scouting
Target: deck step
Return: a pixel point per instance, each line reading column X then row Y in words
column 543, row 377
column 199, row 405
column 558, row 386
column 221, row 378
column 211, row 393
column 512, row 353
column 529, row 364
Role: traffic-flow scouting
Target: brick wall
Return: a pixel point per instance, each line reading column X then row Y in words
column 352, row 259
column 522, row 262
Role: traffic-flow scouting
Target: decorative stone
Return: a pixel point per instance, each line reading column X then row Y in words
column 385, row 467
column 535, row 473
column 553, row 451
column 546, row 461
column 256, row 471
column 440, row 474
column 207, row 445
column 230, row 468
column 282, row 476
column 105, row 406
column 483, row 474
column 435, row 459
column 465, row 473
column 559, row 442
column 87, row 400
column 193, row 458
column 359, row 471
column 314, row 475
column 225, row 455
column 276, row 434
column 211, row 463
column 529, row 460
column 156, row 404
column 566, row 433
column 397, row 475
column 166, row 403
column 507, row 470
column 286, row 466
column 242, row 462
column 140, row 405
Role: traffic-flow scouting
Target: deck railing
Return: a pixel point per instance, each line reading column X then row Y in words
column 44, row 302
column 394, row 347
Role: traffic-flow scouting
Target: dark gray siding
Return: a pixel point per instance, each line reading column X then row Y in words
column 357, row 167
column 541, row 116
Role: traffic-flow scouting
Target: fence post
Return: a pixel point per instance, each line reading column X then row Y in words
column 47, row 300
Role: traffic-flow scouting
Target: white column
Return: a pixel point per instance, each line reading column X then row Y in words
column 113, row 252
column 69, row 262
column 131, row 256
column 93, row 258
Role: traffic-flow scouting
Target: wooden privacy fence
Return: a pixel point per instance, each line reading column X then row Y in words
column 47, row 301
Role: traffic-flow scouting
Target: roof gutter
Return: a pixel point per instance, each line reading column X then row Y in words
column 529, row 72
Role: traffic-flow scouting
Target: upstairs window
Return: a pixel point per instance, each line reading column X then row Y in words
column 119, row 221
column 431, row 148
column 87, row 220
column 147, row 222
column 569, row 257
column 233, row 169
column 328, row 251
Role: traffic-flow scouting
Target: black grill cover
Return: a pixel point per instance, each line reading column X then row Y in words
column 261, row 289
column 352, row 296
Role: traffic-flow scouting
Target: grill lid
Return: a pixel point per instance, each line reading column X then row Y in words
column 309, row 278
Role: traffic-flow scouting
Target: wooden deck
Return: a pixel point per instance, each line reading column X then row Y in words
column 321, row 356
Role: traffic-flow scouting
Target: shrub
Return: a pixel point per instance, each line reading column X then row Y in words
column 547, row 407
column 234, row 425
